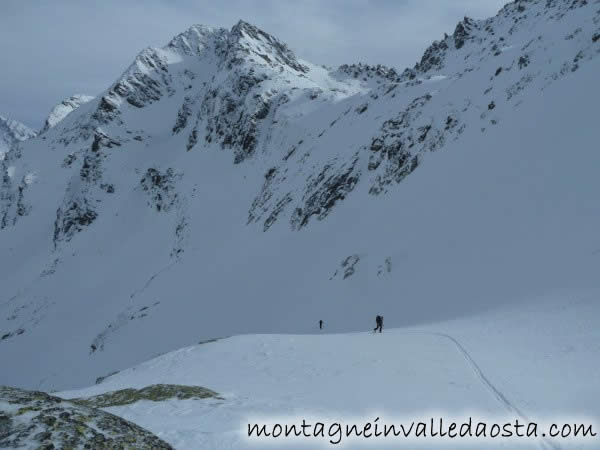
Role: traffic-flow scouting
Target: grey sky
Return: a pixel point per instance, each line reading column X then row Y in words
column 51, row 49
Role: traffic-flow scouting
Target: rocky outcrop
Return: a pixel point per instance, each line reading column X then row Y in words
column 154, row 393
column 462, row 32
column 347, row 268
column 85, row 190
column 233, row 114
column 13, row 183
column 160, row 188
column 397, row 149
column 324, row 190
column 145, row 82
column 366, row 72
column 246, row 40
column 37, row 420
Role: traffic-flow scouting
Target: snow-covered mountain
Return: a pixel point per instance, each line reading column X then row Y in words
column 222, row 186
column 67, row 106
column 11, row 133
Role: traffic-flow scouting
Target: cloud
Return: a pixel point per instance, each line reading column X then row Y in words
column 53, row 49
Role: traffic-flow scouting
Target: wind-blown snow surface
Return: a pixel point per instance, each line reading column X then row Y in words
column 492, row 366
column 221, row 186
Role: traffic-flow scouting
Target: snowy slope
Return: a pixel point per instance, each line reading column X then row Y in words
column 478, row 366
column 222, row 186
column 67, row 106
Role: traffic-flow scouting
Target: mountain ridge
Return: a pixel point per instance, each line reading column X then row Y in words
column 210, row 190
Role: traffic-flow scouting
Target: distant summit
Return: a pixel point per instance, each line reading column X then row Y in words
column 12, row 132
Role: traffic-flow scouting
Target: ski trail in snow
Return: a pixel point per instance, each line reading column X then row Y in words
column 508, row 405
column 151, row 279
column 129, row 314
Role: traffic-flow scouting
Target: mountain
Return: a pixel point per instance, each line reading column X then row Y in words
column 11, row 133
column 221, row 185
column 67, row 106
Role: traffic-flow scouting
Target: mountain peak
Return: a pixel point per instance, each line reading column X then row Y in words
column 195, row 39
column 248, row 39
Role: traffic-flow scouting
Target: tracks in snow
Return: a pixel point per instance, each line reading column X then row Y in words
column 506, row 403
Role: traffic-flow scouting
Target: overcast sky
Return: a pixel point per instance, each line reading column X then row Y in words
column 51, row 49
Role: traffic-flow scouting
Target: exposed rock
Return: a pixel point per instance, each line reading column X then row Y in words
column 12, row 187
column 265, row 46
column 11, row 334
column 347, row 267
column 155, row 393
column 523, row 61
column 160, row 187
column 386, row 267
column 71, row 219
column 29, row 418
column 366, row 72
column 433, row 58
column 462, row 32
column 279, row 207
column 234, row 115
column 324, row 190
column 182, row 115
column 146, row 81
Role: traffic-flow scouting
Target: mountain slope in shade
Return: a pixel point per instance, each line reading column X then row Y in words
column 67, row 106
column 221, row 186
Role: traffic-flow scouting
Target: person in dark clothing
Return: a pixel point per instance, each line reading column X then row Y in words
column 320, row 324
column 379, row 323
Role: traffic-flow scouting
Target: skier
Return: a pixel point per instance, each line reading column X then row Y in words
column 379, row 322
column 320, row 324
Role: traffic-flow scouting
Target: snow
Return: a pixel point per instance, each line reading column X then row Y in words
column 434, row 79
column 487, row 366
column 12, row 132
column 145, row 222
column 30, row 178
column 502, row 209
column 67, row 106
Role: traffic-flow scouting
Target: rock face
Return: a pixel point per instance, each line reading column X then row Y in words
column 12, row 204
column 30, row 419
column 64, row 108
column 221, row 176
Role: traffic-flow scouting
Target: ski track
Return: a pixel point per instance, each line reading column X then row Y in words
column 508, row 405
column 150, row 280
